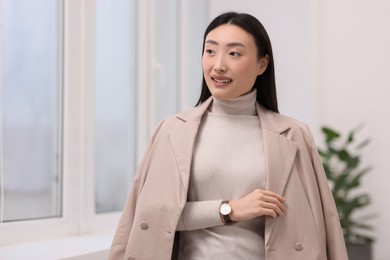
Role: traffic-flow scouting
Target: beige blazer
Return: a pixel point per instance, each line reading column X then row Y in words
column 308, row 230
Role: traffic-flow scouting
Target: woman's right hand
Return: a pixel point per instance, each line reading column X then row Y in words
column 257, row 203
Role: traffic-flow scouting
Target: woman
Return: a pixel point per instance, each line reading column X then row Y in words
column 231, row 178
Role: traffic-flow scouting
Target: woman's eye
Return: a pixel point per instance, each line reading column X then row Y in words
column 208, row 51
column 233, row 53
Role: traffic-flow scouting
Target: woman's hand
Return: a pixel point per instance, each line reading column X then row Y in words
column 257, row 203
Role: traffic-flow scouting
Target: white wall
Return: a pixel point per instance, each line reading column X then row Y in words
column 332, row 60
column 355, row 88
column 288, row 26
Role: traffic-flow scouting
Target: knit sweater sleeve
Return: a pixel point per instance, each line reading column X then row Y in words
column 199, row 215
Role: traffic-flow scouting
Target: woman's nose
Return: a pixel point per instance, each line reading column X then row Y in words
column 220, row 65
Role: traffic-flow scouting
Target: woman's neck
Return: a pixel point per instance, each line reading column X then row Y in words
column 242, row 105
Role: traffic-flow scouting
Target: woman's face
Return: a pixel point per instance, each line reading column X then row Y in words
column 230, row 62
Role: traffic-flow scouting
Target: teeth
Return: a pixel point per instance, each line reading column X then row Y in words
column 222, row 80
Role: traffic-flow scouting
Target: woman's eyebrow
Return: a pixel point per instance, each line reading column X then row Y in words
column 231, row 44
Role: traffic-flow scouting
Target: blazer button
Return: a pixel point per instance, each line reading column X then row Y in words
column 144, row 225
column 298, row 246
column 131, row 257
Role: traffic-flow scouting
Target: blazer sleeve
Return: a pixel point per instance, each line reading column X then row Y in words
column 121, row 237
column 335, row 243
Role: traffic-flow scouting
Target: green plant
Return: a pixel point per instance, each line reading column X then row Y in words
column 341, row 161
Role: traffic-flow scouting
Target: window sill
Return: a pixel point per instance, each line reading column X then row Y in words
column 87, row 246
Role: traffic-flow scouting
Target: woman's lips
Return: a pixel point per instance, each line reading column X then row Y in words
column 221, row 81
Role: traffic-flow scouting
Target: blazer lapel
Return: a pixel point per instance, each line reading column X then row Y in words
column 280, row 154
column 183, row 139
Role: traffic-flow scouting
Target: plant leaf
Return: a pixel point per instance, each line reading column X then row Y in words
column 330, row 134
column 355, row 181
column 351, row 137
column 363, row 144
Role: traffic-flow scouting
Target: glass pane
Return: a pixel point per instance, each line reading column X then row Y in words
column 31, row 115
column 164, row 59
column 115, row 103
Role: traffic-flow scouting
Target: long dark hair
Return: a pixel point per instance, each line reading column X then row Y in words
column 265, row 83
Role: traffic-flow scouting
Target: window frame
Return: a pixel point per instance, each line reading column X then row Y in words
column 51, row 226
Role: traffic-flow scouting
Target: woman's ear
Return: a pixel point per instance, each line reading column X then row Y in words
column 263, row 62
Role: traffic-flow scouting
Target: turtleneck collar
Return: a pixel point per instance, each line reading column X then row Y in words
column 242, row 105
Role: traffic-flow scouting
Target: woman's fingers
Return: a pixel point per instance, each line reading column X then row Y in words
column 257, row 203
column 269, row 212
column 272, row 194
column 275, row 201
column 271, row 207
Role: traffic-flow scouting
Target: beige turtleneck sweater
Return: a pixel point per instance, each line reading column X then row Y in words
column 228, row 163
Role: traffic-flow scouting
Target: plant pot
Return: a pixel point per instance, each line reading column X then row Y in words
column 359, row 251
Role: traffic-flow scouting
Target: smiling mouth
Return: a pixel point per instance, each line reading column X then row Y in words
column 221, row 81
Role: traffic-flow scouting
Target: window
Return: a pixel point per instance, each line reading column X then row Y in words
column 68, row 113
column 83, row 84
column 164, row 60
column 115, row 104
column 32, row 113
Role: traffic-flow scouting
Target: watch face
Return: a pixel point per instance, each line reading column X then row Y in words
column 225, row 209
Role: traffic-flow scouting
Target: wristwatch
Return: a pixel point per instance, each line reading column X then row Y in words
column 224, row 212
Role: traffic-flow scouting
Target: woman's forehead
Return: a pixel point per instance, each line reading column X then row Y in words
column 231, row 35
